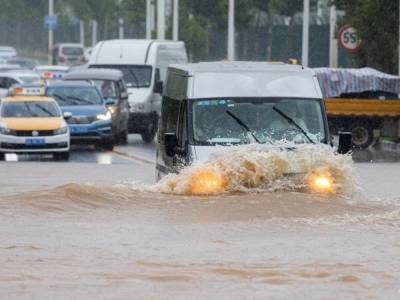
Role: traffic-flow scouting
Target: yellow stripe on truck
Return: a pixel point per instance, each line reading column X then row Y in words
column 362, row 107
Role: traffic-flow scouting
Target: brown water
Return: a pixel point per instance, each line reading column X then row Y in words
column 134, row 242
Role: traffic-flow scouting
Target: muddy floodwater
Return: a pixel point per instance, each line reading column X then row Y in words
column 119, row 241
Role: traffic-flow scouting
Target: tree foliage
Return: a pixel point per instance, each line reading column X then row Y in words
column 377, row 24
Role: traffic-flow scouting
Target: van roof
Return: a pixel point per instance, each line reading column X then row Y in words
column 134, row 51
column 94, row 74
column 245, row 79
column 236, row 66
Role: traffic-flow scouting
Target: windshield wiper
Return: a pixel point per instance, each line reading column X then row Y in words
column 134, row 77
column 291, row 121
column 242, row 124
column 77, row 99
column 45, row 110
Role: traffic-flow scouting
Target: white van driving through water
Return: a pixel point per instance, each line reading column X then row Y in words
column 223, row 104
column 144, row 64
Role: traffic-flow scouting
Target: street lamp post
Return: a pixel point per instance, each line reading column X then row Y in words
column 306, row 23
column 51, row 33
column 175, row 23
column 231, row 30
column 333, row 43
column 161, row 19
column 148, row 19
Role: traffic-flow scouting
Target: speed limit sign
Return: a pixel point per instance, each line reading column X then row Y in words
column 348, row 39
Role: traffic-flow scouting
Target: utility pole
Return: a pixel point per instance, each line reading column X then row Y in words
column 51, row 33
column 161, row 19
column 305, row 41
column 231, row 30
column 399, row 44
column 121, row 28
column 175, row 22
column 333, row 43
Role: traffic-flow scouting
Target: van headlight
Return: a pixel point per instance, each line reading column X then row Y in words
column 6, row 131
column 104, row 117
column 61, row 130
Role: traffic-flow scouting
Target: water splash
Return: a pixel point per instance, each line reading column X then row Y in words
column 260, row 168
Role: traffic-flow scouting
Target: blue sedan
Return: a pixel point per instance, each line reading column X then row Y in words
column 88, row 118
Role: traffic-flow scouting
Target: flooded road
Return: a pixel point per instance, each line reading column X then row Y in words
column 92, row 233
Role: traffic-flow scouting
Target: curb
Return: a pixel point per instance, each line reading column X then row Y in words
column 135, row 157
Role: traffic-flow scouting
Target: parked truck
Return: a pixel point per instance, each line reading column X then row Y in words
column 363, row 101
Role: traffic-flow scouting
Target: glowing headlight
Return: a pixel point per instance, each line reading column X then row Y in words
column 104, row 117
column 62, row 130
column 113, row 109
column 321, row 183
column 206, row 182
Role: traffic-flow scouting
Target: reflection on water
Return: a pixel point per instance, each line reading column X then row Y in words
column 104, row 159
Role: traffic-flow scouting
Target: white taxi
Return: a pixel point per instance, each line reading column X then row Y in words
column 32, row 123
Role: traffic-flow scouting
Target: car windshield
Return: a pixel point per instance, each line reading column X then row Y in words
column 30, row 109
column 75, row 95
column 263, row 120
column 75, row 51
column 135, row 76
column 107, row 88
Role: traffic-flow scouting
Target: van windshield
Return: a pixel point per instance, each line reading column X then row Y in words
column 263, row 120
column 135, row 76
column 73, row 51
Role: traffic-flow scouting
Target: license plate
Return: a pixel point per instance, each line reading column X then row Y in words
column 35, row 142
column 78, row 129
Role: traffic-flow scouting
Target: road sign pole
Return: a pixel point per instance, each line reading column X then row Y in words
column 51, row 34
column 306, row 23
column 231, row 30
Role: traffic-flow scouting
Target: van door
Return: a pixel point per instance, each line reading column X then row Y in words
column 169, row 124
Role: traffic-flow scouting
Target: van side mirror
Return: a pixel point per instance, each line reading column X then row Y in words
column 345, row 142
column 170, row 141
column 158, row 87
column 67, row 115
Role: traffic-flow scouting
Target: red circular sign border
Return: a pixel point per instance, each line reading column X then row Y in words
column 343, row 28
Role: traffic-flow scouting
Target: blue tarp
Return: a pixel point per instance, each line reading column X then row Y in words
column 335, row 82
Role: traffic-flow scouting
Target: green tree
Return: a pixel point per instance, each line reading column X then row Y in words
column 377, row 24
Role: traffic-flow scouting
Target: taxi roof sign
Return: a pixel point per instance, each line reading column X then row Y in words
column 27, row 91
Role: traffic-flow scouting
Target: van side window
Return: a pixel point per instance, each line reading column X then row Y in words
column 170, row 114
column 182, row 130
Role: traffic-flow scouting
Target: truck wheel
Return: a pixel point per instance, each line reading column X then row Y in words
column 362, row 135
column 62, row 156
column 150, row 133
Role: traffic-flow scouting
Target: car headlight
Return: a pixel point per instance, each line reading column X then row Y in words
column 322, row 183
column 61, row 130
column 104, row 117
column 113, row 109
column 6, row 131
